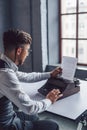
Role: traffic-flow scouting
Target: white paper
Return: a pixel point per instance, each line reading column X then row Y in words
column 68, row 65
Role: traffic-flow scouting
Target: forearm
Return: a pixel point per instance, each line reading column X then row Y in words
column 32, row 77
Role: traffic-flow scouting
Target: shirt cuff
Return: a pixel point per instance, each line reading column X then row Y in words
column 47, row 103
column 46, row 75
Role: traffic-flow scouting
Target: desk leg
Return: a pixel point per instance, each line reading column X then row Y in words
column 81, row 124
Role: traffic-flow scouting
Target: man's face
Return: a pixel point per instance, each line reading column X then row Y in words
column 24, row 53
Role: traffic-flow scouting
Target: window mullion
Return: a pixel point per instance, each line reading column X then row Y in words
column 77, row 29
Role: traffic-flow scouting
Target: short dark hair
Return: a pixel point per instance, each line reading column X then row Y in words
column 14, row 38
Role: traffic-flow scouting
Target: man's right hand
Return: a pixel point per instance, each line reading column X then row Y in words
column 54, row 95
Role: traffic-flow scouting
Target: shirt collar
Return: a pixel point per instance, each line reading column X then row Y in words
column 11, row 64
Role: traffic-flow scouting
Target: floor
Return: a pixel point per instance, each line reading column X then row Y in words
column 64, row 123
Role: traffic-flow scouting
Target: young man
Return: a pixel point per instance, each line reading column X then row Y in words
column 16, row 48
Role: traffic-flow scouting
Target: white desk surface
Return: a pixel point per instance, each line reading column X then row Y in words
column 71, row 107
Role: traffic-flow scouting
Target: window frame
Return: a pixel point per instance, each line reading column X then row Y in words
column 60, row 30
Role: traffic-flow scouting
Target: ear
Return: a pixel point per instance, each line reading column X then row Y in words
column 19, row 50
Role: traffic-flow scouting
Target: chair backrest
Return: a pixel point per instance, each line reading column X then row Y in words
column 81, row 74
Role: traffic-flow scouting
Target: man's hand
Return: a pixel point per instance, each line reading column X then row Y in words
column 54, row 95
column 57, row 71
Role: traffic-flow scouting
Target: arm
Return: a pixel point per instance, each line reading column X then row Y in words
column 34, row 77
column 11, row 88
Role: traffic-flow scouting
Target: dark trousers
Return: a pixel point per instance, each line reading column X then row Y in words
column 31, row 122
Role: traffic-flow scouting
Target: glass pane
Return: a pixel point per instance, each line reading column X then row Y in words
column 82, row 51
column 69, row 48
column 68, row 6
column 68, row 26
column 82, row 26
column 82, row 5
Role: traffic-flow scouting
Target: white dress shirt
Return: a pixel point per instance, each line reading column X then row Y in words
column 10, row 87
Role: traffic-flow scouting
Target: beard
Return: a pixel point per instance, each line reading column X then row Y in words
column 20, row 63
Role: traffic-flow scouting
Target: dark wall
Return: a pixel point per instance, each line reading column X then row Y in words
column 4, row 19
column 21, row 19
column 24, row 15
column 36, row 35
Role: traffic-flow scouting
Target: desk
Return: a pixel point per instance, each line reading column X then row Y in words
column 71, row 107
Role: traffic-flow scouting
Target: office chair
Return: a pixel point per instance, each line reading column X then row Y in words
column 81, row 74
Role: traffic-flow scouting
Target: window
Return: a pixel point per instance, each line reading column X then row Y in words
column 73, row 29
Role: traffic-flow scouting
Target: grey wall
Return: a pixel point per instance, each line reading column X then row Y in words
column 20, row 14
column 25, row 15
column 4, row 18
column 21, row 19
column 53, row 32
column 36, row 33
column 50, row 33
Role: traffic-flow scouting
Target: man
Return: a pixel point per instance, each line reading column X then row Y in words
column 16, row 48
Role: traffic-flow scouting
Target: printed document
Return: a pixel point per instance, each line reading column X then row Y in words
column 68, row 65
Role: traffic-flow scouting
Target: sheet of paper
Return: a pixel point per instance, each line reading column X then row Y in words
column 68, row 65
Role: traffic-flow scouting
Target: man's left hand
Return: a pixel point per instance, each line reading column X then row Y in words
column 56, row 72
